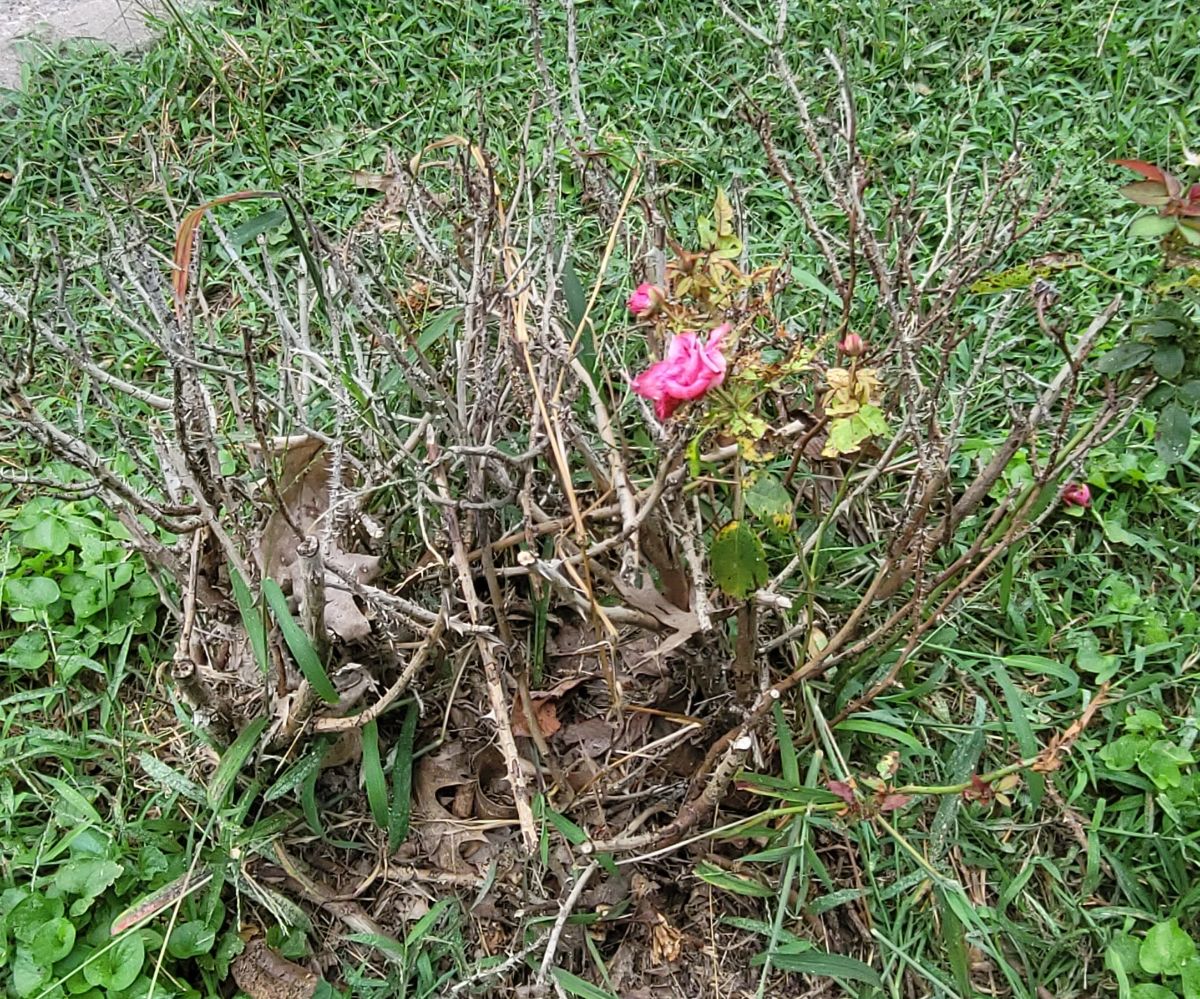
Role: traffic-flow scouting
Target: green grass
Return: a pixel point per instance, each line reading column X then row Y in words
column 953, row 896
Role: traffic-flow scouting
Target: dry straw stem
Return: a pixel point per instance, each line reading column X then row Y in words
column 497, row 695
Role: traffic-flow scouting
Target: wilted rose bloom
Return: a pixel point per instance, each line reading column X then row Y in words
column 852, row 345
column 646, row 299
column 689, row 370
column 1077, row 494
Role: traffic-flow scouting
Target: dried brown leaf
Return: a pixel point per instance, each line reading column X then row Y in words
column 449, row 841
column 546, row 711
column 1050, row 758
column 682, row 624
column 263, row 974
column 593, row 736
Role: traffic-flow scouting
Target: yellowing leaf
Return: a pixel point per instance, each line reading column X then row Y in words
column 769, row 501
column 723, row 213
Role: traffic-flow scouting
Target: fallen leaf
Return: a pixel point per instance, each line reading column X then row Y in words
column 342, row 615
column 682, row 624
column 263, row 974
column 450, row 842
column 303, row 486
column 593, row 736
column 545, row 710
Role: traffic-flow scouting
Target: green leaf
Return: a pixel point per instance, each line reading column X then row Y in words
column 1123, row 357
column 27, row 975
column 1173, row 434
column 810, row 961
column 1124, row 753
column 1090, row 659
column 1166, row 949
column 846, row 433
column 299, row 644
column 739, row 564
column 232, row 761
column 372, row 770
column 873, row 419
column 884, row 731
column 48, row 534
column 1168, row 361
column 1144, row 722
column 53, row 941
column 33, row 593
column 1189, row 392
column 1150, row 226
column 90, row 599
column 402, row 772
column 191, row 939
column 574, row 293
column 117, row 967
column 1191, row 979
column 28, row 652
column 171, row 778
column 1161, row 760
column 720, row 878
column 252, row 619
column 1122, row 953
column 814, row 283
column 31, row 914
column 438, row 328
column 769, row 501
column 580, row 987
column 86, row 877
column 298, row 772
column 1188, row 231
column 1148, row 990
column 255, row 226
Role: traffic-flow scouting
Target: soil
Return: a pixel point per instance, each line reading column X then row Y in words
column 28, row 25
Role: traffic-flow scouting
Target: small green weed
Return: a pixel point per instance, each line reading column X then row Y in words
column 75, row 596
column 1162, row 965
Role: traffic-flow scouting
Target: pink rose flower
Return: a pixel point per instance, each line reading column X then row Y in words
column 852, row 345
column 1077, row 494
column 646, row 299
column 689, row 370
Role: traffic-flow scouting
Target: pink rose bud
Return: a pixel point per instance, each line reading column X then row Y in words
column 852, row 345
column 646, row 300
column 1077, row 494
column 689, row 370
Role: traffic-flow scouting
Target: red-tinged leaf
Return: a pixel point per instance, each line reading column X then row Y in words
column 893, row 801
column 1147, row 170
column 185, row 240
column 1191, row 209
column 843, row 791
column 1194, row 193
column 1146, row 192
column 978, row 791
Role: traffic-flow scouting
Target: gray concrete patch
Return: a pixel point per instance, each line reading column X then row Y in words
column 26, row 24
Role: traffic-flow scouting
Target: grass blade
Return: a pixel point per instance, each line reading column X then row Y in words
column 373, row 779
column 232, row 761
column 402, row 770
column 252, row 619
column 301, row 647
column 580, row 987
